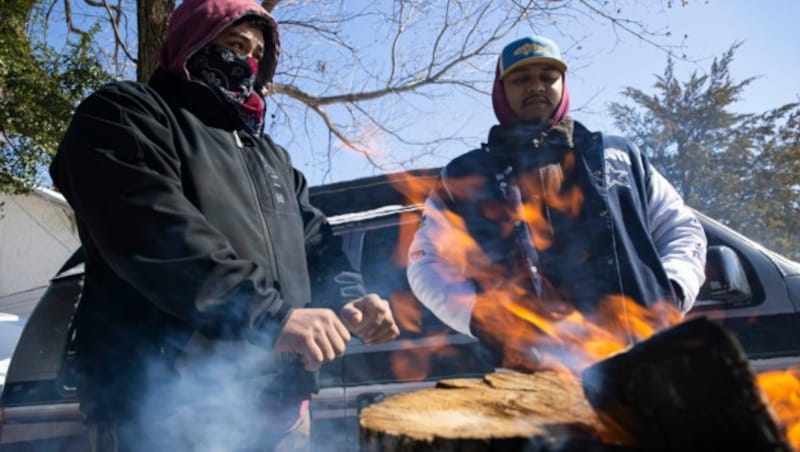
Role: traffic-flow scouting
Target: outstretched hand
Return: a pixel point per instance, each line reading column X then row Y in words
column 371, row 319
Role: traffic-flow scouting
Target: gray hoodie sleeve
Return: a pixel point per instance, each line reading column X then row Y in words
column 678, row 236
column 437, row 282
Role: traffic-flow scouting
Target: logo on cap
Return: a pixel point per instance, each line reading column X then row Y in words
column 531, row 48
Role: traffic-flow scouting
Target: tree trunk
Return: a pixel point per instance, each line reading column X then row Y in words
column 152, row 16
column 269, row 5
column 507, row 411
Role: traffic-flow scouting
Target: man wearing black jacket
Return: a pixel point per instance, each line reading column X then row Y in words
column 214, row 291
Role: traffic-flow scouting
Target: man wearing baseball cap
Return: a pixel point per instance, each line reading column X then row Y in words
column 559, row 217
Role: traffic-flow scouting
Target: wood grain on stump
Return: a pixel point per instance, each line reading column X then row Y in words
column 544, row 411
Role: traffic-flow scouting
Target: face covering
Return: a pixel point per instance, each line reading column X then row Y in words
column 234, row 75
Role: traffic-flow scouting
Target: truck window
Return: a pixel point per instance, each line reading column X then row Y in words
column 383, row 266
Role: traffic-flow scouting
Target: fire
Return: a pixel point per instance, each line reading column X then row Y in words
column 406, row 312
column 782, row 390
column 409, row 364
column 533, row 333
column 414, row 363
column 533, row 338
column 415, row 188
column 536, row 331
column 540, row 332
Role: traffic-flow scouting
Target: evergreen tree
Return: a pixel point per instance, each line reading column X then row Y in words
column 743, row 169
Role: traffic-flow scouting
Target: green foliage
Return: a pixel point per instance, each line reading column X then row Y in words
column 39, row 90
column 743, row 169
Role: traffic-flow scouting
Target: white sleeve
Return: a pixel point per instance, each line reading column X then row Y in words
column 437, row 281
column 679, row 238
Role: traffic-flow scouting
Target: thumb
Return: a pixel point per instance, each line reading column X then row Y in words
column 351, row 316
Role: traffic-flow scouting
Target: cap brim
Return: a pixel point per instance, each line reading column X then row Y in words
column 558, row 64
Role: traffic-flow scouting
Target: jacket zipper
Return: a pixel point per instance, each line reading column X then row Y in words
column 259, row 201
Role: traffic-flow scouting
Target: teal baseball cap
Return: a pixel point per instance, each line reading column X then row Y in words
column 530, row 49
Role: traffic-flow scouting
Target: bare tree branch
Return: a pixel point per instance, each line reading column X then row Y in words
column 114, row 20
column 395, row 43
column 367, row 153
column 68, row 16
column 47, row 17
column 349, row 82
column 633, row 27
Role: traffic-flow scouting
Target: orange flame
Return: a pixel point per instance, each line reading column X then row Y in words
column 406, row 311
column 410, row 363
column 782, row 390
column 532, row 338
column 415, row 188
column 414, row 363
column 541, row 333
column 532, row 333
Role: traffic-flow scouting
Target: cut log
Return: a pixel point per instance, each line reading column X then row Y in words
column 689, row 388
column 504, row 411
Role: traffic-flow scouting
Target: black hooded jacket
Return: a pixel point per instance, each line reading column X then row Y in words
column 190, row 225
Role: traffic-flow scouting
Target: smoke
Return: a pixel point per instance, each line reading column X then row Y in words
column 226, row 396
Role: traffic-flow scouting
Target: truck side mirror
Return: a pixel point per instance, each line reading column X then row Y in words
column 726, row 282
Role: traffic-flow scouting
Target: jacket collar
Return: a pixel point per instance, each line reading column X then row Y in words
column 521, row 136
column 208, row 104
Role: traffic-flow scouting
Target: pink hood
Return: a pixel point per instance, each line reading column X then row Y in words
column 503, row 111
column 195, row 23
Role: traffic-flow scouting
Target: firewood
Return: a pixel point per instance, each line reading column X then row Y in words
column 503, row 411
column 689, row 388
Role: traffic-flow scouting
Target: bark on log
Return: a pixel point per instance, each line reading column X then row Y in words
column 504, row 411
column 689, row 388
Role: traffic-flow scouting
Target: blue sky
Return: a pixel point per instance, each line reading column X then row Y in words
column 770, row 33
column 608, row 62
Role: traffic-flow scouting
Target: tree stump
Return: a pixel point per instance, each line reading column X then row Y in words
column 688, row 388
column 503, row 411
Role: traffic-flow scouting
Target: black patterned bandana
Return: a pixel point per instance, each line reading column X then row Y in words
column 235, row 76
